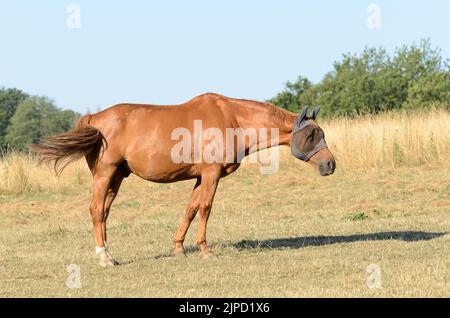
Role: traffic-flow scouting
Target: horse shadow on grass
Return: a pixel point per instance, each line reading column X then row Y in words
column 299, row 242
column 305, row 241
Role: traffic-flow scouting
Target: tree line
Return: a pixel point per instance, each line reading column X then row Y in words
column 414, row 77
column 24, row 119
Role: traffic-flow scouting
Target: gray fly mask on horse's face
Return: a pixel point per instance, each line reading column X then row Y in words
column 307, row 139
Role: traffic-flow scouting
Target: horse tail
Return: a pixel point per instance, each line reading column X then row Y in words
column 68, row 147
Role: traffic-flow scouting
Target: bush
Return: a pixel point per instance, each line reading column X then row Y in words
column 9, row 99
column 373, row 82
column 36, row 117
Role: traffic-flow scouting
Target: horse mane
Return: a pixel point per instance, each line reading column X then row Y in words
column 276, row 114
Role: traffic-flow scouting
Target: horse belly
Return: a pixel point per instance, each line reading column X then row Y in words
column 159, row 167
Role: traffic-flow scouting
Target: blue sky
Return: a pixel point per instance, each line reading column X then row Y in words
column 167, row 52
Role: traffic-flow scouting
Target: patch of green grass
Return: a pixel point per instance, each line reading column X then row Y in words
column 247, row 181
column 398, row 155
column 131, row 204
column 357, row 216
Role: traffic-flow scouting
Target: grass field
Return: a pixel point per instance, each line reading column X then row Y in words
column 288, row 234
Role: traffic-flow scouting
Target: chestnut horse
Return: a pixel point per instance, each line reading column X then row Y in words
column 137, row 138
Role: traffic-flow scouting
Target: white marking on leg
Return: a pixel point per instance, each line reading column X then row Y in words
column 100, row 250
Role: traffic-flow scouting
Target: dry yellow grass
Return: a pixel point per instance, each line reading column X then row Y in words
column 21, row 174
column 288, row 234
column 391, row 139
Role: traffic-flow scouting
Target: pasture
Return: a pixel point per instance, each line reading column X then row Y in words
column 288, row 234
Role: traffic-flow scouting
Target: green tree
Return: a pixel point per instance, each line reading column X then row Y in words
column 34, row 118
column 429, row 90
column 358, row 85
column 295, row 95
column 415, row 76
column 24, row 126
column 9, row 99
column 65, row 120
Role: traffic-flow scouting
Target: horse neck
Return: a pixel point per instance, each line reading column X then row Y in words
column 257, row 115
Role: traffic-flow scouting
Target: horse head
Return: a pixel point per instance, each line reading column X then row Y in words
column 308, row 143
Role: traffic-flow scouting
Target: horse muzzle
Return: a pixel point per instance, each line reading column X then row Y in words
column 326, row 167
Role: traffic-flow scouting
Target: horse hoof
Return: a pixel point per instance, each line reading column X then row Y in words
column 179, row 254
column 108, row 262
column 207, row 255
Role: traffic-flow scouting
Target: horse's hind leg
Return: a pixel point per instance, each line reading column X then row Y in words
column 111, row 194
column 103, row 175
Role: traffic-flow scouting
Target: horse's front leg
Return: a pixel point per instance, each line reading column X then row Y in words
column 209, row 182
column 188, row 216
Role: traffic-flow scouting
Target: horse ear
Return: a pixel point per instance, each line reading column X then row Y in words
column 301, row 117
column 314, row 112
